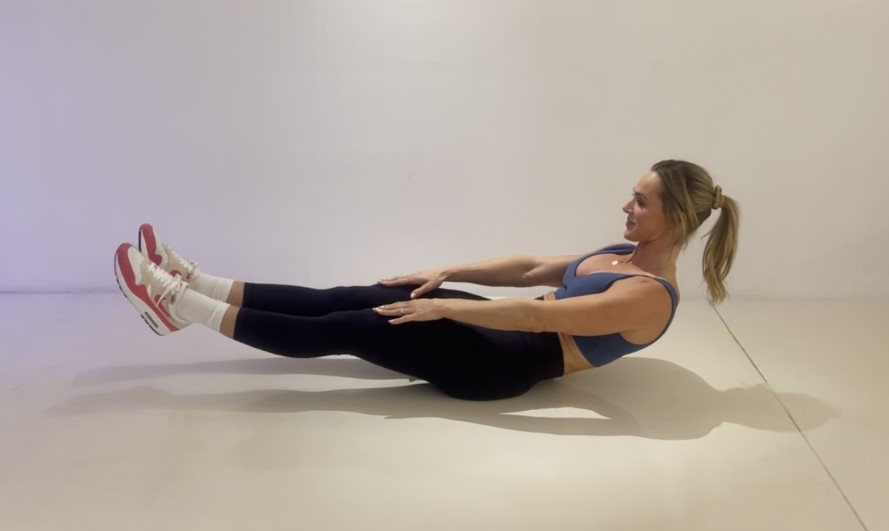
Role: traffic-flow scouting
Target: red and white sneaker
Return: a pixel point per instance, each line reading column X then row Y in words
column 163, row 256
column 153, row 291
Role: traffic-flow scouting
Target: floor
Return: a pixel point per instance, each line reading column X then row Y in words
column 766, row 415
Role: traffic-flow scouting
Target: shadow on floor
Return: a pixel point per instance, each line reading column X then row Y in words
column 345, row 366
column 640, row 397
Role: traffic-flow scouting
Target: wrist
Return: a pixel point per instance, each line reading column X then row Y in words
column 447, row 308
column 448, row 273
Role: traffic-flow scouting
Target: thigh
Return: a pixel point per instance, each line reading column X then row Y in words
column 503, row 364
column 462, row 360
column 311, row 302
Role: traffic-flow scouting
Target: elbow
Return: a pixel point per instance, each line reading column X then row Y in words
column 526, row 280
column 530, row 277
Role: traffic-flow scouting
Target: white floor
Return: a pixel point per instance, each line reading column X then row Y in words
column 765, row 415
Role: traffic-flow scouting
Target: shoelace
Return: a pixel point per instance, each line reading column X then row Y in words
column 190, row 267
column 169, row 283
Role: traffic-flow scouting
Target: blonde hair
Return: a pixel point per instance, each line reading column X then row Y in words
column 689, row 198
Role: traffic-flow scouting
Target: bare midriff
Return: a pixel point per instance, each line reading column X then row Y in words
column 571, row 356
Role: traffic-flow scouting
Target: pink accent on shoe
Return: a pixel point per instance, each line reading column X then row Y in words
column 161, row 255
column 140, row 291
column 146, row 236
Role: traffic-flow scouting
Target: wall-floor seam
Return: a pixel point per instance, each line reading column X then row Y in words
column 793, row 420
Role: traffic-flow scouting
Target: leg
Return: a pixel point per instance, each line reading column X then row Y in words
column 463, row 361
column 290, row 300
column 310, row 302
column 236, row 295
column 227, row 328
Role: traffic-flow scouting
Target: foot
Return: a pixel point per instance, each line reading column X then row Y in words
column 153, row 291
column 163, row 256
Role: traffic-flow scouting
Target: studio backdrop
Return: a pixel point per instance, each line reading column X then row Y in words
column 333, row 142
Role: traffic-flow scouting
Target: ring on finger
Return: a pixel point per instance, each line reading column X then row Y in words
column 402, row 310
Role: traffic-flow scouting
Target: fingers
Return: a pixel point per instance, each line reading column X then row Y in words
column 419, row 291
column 426, row 284
column 401, row 280
column 409, row 311
column 389, row 309
column 408, row 280
column 397, row 310
column 400, row 320
column 425, row 288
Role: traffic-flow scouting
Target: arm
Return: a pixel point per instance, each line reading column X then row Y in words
column 519, row 271
column 636, row 303
column 515, row 271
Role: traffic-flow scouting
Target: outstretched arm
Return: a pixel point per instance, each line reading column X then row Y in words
column 632, row 304
column 511, row 271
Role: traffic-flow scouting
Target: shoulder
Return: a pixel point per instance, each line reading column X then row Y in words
column 639, row 289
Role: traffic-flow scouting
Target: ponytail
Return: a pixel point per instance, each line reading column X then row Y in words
column 720, row 249
column 689, row 198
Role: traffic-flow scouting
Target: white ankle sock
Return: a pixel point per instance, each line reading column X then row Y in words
column 196, row 307
column 214, row 287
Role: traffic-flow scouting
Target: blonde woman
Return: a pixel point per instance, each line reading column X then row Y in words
column 608, row 303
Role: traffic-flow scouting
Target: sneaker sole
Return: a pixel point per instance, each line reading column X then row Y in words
column 145, row 311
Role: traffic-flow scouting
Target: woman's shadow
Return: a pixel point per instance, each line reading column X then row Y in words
column 636, row 396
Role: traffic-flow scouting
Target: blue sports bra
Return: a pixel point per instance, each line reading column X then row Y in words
column 599, row 350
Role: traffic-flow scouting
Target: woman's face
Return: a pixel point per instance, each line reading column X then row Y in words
column 645, row 213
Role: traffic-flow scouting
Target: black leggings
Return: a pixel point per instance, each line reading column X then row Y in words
column 464, row 361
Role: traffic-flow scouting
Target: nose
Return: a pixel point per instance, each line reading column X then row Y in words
column 627, row 209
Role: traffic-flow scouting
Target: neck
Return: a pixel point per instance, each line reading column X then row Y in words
column 656, row 257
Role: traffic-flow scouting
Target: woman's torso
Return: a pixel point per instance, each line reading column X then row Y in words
column 604, row 263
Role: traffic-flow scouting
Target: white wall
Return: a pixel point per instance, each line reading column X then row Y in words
column 337, row 141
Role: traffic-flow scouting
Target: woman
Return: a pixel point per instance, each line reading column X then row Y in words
column 610, row 302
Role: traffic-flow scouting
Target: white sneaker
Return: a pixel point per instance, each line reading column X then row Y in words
column 153, row 291
column 163, row 256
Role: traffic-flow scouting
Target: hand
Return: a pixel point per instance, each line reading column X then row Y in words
column 416, row 310
column 428, row 280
